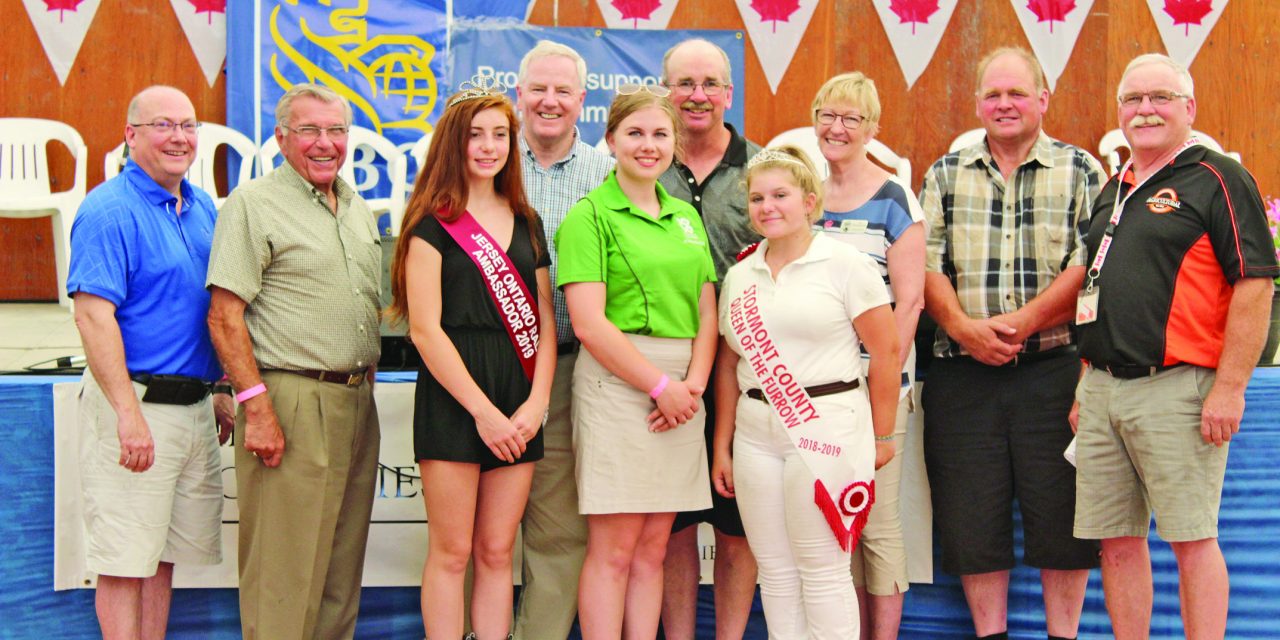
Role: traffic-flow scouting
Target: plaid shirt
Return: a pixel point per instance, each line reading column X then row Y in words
column 1002, row 243
column 551, row 192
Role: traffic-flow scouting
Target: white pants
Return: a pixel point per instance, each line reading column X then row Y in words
column 804, row 574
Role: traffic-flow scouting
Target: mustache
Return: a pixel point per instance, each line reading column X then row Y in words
column 1138, row 121
column 690, row 105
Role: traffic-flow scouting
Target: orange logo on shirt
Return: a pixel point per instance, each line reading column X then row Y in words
column 1164, row 201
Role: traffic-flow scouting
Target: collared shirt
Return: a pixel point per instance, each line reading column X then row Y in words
column 807, row 310
column 653, row 269
column 311, row 278
column 552, row 190
column 1186, row 237
column 721, row 200
column 1002, row 243
column 132, row 247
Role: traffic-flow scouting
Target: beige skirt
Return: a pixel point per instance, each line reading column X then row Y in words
column 621, row 466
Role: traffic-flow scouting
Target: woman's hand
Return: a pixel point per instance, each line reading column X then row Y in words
column 722, row 474
column 500, row 435
column 528, row 419
column 677, row 404
column 885, row 450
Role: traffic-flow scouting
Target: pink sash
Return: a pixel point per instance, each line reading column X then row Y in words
column 845, row 486
column 515, row 305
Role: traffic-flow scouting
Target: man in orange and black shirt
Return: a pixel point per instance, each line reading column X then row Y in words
column 1172, row 318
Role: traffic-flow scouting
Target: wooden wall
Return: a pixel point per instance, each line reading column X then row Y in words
column 1234, row 83
column 131, row 44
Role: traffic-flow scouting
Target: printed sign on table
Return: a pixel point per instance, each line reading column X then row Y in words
column 1052, row 26
column 61, row 26
column 915, row 28
column 1184, row 25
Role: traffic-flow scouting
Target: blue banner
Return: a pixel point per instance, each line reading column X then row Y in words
column 388, row 60
column 614, row 56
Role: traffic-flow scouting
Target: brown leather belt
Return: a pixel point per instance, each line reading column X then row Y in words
column 351, row 379
column 815, row 391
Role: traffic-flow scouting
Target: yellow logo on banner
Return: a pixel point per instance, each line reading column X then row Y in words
column 394, row 66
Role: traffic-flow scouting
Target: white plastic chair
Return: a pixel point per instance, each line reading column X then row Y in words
column 374, row 145
column 201, row 173
column 25, row 191
column 418, row 152
column 603, row 146
column 806, row 139
column 1113, row 141
column 967, row 139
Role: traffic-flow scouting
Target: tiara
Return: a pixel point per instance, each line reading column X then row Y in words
column 772, row 155
column 479, row 86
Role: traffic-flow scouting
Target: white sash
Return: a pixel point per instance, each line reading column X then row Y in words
column 844, row 489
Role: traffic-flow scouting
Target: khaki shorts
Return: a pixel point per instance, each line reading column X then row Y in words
column 1139, row 450
column 172, row 512
column 879, row 562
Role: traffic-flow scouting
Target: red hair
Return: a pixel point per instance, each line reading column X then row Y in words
column 442, row 185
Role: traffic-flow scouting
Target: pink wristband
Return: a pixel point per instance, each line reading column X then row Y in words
column 251, row 392
column 658, row 388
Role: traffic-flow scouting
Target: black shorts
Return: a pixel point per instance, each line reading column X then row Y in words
column 723, row 514
column 993, row 434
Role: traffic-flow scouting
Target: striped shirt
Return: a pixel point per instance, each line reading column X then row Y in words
column 1002, row 243
column 551, row 191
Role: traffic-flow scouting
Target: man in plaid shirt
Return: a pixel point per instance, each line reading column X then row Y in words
column 1005, row 220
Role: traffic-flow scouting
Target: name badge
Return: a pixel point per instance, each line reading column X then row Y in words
column 853, row 226
column 1087, row 305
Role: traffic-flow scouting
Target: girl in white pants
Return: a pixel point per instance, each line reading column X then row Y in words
column 798, row 432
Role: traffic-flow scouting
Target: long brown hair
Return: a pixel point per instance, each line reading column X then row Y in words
column 441, row 187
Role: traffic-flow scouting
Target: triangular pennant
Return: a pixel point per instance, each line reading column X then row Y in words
column 61, row 25
column 637, row 14
column 1184, row 25
column 915, row 28
column 205, row 23
column 1052, row 26
column 776, row 28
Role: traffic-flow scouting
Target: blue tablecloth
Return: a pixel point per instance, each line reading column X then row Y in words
column 1249, row 529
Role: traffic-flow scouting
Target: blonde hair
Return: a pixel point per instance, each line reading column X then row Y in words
column 1033, row 65
column 854, row 88
column 796, row 163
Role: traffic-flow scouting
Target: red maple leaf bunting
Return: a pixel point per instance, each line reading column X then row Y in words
column 1051, row 10
column 636, row 10
column 913, row 11
column 61, row 6
column 1187, row 12
column 775, row 10
column 209, row 7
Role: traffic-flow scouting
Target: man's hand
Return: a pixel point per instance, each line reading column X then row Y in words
column 1018, row 322
column 224, row 414
column 137, row 450
column 984, row 340
column 262, row 435
column 1073, row 416
column 1220, row 416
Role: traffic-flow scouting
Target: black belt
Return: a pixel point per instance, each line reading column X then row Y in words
column 349, row 378
column 815, row 391
column 566, row 348
column 1036, row 356
column 1132, row 371
column 170, row 389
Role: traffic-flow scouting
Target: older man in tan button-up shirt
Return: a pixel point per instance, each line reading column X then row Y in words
column 294, row 273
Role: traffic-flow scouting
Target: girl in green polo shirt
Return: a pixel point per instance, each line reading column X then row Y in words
column 638, row 279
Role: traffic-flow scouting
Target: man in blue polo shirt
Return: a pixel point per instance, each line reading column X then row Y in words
column 148, row 443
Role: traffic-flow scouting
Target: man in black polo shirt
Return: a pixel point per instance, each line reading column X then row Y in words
column 709, row 174
column 1172, row 317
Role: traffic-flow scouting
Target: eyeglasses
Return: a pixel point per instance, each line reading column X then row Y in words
column 631, row 88
column 687, row 87
column 311, row 134
column 165, row 128
column 1157, row 98
column 849, row 121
